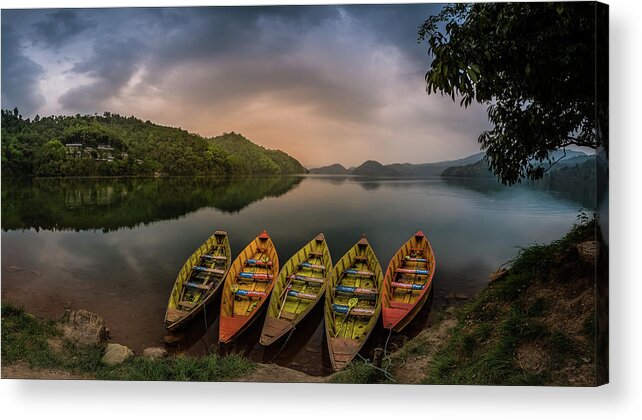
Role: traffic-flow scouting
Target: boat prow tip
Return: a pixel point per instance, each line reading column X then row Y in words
column 419, row 234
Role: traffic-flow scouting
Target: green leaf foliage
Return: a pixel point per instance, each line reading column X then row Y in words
column 533, row 64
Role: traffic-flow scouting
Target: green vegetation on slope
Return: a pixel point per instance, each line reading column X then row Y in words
column 28, row 340
column 536, row 326
column 479, row 169
column 38, row 148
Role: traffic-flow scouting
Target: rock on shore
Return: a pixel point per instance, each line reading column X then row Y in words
column 116, row 354
column 155, row 352
column 83, row 327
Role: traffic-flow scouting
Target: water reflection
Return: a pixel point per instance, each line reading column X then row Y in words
column 582, row 194
column 62, row 246
column 110, row 204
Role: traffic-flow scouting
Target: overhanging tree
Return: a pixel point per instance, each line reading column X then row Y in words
column 534, row 64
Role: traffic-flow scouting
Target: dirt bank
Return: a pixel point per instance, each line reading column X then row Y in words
column 22, row 371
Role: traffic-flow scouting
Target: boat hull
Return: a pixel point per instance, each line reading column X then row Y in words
column 178, row 316
column 412, row 266
column 300, row 286
column 247, row 287
column 353, row 303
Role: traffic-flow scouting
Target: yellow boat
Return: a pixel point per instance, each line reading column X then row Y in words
column 300, row 285
column 352, row 303
column 199, row 280
column 248, row 284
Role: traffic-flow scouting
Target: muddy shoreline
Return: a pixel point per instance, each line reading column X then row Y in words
column 305, row 350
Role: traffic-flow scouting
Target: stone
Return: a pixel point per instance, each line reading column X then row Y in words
column 155, row 352
column 116, row 354
column 588, row 251
column 83, row 327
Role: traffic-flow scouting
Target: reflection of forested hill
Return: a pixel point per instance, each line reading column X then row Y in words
column 576, row 179
column 109, row 204
column 573, row 176
column 576, row 182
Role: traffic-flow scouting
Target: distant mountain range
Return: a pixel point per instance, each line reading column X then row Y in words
column 471, row 166
column 374, row 168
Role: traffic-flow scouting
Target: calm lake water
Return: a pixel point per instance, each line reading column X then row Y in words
column 114, row 246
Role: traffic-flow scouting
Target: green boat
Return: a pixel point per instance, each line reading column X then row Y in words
column 299, row 287
column 352, row 303
column 199, row 280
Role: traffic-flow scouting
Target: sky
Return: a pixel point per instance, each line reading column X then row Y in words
column 326, row 84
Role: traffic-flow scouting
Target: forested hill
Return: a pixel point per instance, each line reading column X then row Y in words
column 480, row 168
column 112, row 144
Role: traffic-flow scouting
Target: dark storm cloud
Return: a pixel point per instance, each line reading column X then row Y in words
column 20, row 74
column 235, row 40
column 161, row 39
column 59, row 27
column 222, row 37
column 214, row 33
column 398, row 25
column 111, row 65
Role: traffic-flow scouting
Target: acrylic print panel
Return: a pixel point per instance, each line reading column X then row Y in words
column 307, row 194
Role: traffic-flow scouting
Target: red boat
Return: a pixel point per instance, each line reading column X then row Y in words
column 407, row 282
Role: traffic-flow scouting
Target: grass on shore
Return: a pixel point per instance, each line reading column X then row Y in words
column 359, row 372
column 514, row 331
column 39, row 344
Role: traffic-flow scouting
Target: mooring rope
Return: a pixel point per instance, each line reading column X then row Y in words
column 384, row 370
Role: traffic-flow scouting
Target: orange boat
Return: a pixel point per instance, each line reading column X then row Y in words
column 247, row 287
column 407, row 282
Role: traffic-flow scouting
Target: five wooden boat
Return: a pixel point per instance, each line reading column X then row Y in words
column 353, row 303
column 247, row 287
column 199, row 280
column 300, row 285
column 407, row 282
